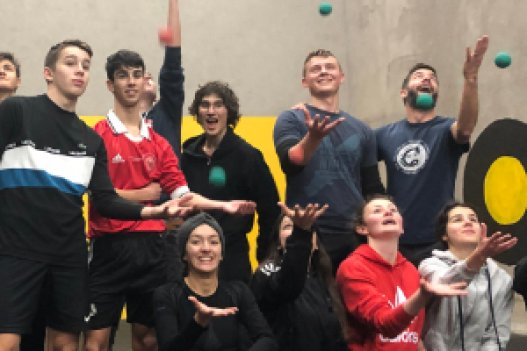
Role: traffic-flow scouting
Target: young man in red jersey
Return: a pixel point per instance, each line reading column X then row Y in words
column 128, row 260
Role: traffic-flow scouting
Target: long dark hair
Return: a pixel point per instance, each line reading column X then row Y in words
column 224, row 91
column 320, row 263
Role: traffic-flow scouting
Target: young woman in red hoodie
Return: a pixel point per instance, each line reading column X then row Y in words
column 382, row 291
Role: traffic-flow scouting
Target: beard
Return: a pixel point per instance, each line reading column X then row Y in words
column 411, row 100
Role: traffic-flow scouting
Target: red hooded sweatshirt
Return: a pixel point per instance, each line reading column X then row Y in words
column 374, row 292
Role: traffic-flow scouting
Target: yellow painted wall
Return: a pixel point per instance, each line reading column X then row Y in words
column 258, row 131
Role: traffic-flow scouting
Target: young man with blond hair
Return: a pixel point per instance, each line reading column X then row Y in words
column 328, row 156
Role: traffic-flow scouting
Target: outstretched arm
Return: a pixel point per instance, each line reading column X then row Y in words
column 435, row 270
column 179, row 207
column 365, row 302
column 489, row 247
column 174, row 24
column 167, row 113
column 317, row 128
column 468, row 114
column 427, row 290
column 205, row 313
column 150, row 192
column 238, row 207
column 274, row 287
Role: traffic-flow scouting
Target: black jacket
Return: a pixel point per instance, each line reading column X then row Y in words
column 247, row 178
column 177, row 330
column 296, row 303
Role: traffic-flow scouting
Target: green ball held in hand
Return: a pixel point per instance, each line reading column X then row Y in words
column 217, row 176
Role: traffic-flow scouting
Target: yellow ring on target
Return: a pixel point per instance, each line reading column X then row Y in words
column 505, row 190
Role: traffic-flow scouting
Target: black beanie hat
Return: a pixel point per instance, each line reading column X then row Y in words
column 190, row 224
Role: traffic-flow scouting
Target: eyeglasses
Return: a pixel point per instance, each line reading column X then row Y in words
column 422, row 75
column 216, row 105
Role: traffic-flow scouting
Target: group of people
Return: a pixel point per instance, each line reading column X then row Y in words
column 335, row 270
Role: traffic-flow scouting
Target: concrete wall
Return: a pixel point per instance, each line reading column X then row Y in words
column 259, row 46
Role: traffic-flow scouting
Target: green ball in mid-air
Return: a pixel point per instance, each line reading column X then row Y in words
column 325, row 8
column 502, row 59
column 424, row 101
column 217, row 176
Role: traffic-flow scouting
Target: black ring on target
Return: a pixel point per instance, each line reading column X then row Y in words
column 505, row 137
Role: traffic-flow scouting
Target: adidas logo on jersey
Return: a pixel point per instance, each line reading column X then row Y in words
column 117, row 159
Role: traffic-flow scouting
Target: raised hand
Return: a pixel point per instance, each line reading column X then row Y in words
column 440, row 289
column 318, row 127
column 473, row 58
column 204, row 313
column 303, row 217
column 495, row 244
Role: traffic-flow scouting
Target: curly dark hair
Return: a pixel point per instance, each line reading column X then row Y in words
column 224, row 91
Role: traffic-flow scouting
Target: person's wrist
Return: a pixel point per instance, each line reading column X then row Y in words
column 478, row 259
column 425, row 294
column 146, row 212
column 200, row 320
column 471, row 78
column 305, row 227
column 315, row 136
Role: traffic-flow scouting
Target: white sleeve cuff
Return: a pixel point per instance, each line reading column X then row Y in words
column 182, row 190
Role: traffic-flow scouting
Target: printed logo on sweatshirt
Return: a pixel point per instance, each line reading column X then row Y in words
column 118, row 159
column 399, row 299
column 269, row 268
column 93, row 312
column 407, row 336
column 411, row 157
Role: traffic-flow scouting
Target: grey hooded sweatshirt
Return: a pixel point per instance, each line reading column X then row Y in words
column 441, row 330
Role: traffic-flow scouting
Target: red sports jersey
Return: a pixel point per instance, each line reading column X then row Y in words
column 374, row 293
column 134, row 162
